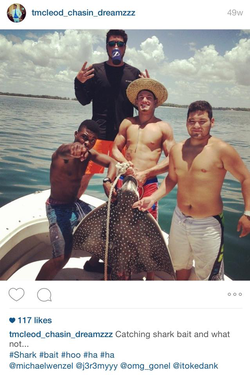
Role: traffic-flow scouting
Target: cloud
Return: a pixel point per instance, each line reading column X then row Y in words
column 32, row 35
column 244, row 32
column 239, row 59
column 14, row 38
column 52, row 57
column 206, row 65
column 149, row 56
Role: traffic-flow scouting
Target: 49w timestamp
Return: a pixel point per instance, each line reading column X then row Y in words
column 235, row 12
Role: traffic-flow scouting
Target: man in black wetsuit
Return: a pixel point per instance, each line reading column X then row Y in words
column 105, row 85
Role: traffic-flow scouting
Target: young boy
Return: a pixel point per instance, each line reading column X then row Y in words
column 64, row 209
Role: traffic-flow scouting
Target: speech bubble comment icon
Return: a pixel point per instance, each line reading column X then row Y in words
column 16, row 294
column 44, row 295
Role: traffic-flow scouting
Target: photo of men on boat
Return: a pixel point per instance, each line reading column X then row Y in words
column 128, row 156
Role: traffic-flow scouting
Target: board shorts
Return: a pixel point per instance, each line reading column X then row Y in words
column 103, row 147
column 198, row 240
column 63, row 218
column 150, row 186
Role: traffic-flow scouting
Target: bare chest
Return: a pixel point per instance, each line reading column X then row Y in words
column 203, row 163
column 150, row 136
column 72, row 170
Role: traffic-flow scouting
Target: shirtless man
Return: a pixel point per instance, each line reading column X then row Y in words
column 199, row 166
column 64, row 209
column 144, row 137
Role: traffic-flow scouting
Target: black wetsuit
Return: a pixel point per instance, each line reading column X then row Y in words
column 107, row 91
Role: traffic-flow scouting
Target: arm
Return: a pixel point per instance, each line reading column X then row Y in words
column 83, row 88
column 234, row 164
column 163, row 166
column 120, row 142
column 73, row 150
column 165, row 188
column 107, row 162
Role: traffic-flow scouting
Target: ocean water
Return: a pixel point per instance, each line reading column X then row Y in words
column 31, row 129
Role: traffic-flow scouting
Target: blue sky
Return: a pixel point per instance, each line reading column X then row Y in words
column 193, row 64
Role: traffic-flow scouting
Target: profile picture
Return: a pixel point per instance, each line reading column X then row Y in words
column 16, row 12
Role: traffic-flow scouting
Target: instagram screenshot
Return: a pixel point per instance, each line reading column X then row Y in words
column 125, row 187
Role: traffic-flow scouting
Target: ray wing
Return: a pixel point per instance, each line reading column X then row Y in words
column 136, row 242
column 90, row 234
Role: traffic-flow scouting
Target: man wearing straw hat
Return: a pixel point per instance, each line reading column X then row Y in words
column 145, row 137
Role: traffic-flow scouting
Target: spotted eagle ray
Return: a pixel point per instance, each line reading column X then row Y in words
column 136, row 243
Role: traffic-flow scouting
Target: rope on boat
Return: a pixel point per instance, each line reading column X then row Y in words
column 121, row 169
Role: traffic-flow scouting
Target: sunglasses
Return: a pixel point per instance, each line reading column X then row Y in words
column 112, row 43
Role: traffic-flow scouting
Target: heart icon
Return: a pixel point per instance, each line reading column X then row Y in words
column 12, row 320
column 16, row 294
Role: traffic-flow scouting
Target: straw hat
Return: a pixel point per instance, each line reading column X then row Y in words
column 147, row 84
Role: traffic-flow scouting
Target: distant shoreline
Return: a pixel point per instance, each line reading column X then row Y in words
column 35, row 96
column 163, row 105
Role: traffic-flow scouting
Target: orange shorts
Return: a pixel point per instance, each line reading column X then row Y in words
column 103, row 147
